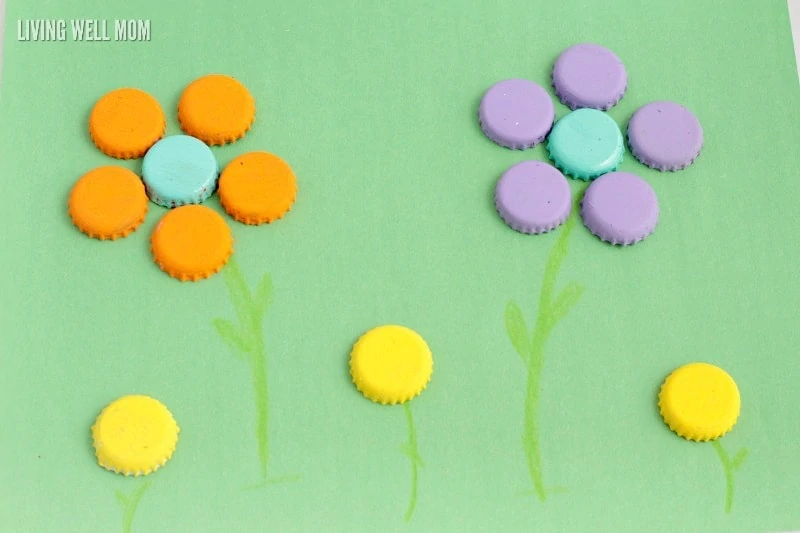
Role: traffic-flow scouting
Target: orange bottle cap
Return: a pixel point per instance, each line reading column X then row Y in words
column 108, row 203
column 216, row 109
column 257, row 187
column 191, row 242
column 125, row 123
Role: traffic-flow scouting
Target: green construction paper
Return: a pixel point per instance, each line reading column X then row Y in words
column 374, row 105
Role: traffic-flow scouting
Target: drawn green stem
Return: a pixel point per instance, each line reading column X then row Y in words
column 530, row 438
column 130, row 503
column 410, row 450
column 258, row 369
column 530, row 346
column 729, row 466
column 246, row 340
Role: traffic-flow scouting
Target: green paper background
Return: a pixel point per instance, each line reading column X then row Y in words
column 374, row 106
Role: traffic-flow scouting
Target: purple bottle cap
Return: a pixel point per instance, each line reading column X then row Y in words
column 533, row 197
column 589, row 75
column 620, row 208
column 665, row 136
column 517, row 114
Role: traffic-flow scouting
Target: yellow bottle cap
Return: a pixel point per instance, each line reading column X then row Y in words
column 391, row 364
column 699, row 402
column 125, row 123
column 134, row 435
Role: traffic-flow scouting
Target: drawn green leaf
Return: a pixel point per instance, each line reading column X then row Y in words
column 517, row 330
column 553, row 263
column 739, row 458
column 263, row 295
column 413, row 455
column 231, row 335
column 130, row 503
column 121, row 498
column 239, row 292
column 568, row 297
column 137, row 494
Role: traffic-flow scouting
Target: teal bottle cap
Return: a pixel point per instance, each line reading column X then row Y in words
column 586, row 143
column 179, row 170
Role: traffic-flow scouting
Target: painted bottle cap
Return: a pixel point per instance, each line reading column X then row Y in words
column 191, row 242
column 699, row 402
column 586, row 143
column 134, row 436
column 257, row 187
column 533, row 197
column 391, row 364
column 516, row 114
column 126, row 122
column 108, row 203
column 620, row 208
column 665, row 136
column 589, row 75
column 217, row 109
column 179, row 170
